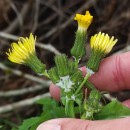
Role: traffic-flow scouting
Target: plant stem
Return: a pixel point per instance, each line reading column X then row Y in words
column 46, row 74
column 76, row 62
column 84, row 81
column 90, row 85
column 69, row 109
column 72, row 113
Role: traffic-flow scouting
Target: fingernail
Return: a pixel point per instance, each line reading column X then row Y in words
column 49, row 126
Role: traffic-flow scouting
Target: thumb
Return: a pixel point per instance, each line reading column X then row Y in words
column 78, row 124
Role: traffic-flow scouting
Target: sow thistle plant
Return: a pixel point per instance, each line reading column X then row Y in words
column 68, row 77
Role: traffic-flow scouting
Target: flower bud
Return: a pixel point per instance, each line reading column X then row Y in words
column 79, row 50
column 94, row 98
column 53, row 75
column 77, row 78
column 62, row 65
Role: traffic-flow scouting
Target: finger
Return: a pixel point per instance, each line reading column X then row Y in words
column 113, row 74
column 55, row 91
column 127, row 103
column 77, row 124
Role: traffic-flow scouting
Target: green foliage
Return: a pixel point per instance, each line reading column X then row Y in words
column 27, row 124
column 112, row 110
column 51, row 110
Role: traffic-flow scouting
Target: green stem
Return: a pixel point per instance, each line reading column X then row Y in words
column 69, row 109
column 72, row 113
column 81, row 85
column 46, row 74
column 90, row 85
column 76, row 62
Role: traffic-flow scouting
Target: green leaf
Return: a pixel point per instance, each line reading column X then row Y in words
column 14, row 129
column 26, row 125
column 51, row 110
column 44, row 101
column 112, row 110
column 46, row 116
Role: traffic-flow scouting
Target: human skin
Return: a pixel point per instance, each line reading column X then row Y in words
column 113, row 76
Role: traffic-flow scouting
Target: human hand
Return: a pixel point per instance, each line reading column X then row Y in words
column 113, row 76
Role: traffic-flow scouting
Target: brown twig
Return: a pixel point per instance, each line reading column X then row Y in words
column 22, row 91
column 21, row 104
column 27, row 76
column 15, row 23
column 48, row 46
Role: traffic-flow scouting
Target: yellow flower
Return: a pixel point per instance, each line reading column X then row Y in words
column 102, row 43
column 84, row 21
column 22, row 50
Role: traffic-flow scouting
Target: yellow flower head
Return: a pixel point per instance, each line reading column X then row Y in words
column 22, row 50
column 84, row 21
column 102, row 43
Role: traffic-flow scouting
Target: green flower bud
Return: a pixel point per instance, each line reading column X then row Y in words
column 94, row 62
column 62, row 65
column 94, row 98
column 77, row 77
column 53, row 75
column 78, row 50
column 88, row 115
column 92, row 105
column 71, row 66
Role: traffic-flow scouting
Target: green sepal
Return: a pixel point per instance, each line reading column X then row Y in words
column 35, row 64
column 94, row 98
column 77, row 77
column 88, row 115
column 71, row 66
column 94, row 61
column 54, row 75
column 89, row 85
column 92, row 105
column 78, row 50
column 62, row 65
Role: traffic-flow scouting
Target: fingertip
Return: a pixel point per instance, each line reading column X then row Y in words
column 126, row 103
column 113, row 74
column 79, row 124
column 83, row 69
column 64, row 124
column 55, row 92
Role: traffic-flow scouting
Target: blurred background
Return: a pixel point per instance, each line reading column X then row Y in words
column 52, row 22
